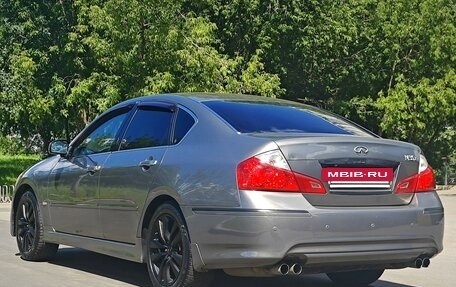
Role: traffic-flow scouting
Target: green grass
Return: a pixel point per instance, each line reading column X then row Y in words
column 12, row 165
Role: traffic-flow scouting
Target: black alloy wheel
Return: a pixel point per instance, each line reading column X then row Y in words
column 26, row 226
column 29, row 231
column 168, row 245
column 165, row 253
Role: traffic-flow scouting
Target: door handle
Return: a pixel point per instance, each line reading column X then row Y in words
column 145, row 165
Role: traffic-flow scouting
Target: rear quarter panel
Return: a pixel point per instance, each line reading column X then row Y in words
column 202, row 167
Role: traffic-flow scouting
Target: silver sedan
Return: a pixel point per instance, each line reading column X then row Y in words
column 193, row 183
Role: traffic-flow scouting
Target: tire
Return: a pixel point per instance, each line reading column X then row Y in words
column 359, row 278
column 29, row 231
column 169, row 258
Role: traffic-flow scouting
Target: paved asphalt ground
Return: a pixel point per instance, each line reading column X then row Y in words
column 76, row 267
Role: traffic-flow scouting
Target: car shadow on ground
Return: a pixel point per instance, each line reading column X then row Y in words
column 136, row 274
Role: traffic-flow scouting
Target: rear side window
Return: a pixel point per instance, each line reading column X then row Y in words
column 252, row 117
column 150, row 127
column 184, row 122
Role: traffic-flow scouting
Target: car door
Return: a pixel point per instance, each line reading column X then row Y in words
column 129, row 173
column 73, row 191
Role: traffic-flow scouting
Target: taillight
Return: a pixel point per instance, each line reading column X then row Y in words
column 270, row 171
column 309, row 184
column 421, row 182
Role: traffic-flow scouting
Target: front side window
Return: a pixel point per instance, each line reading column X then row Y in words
column 150, row 127
column 102, row 138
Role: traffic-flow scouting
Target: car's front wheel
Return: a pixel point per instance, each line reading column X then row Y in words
column 169, row 259
column 359, row 278
column 29, row 231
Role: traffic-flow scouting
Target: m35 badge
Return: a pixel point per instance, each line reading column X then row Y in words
column 410, row 157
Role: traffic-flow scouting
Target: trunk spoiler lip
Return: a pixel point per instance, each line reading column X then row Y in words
column 341, row 139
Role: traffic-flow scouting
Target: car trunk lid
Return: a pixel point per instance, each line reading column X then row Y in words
column 356, row 171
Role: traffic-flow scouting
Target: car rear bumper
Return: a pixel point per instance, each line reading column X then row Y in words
column 317, row 238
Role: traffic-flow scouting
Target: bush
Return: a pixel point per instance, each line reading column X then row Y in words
column 12, row 165
column 11, row 145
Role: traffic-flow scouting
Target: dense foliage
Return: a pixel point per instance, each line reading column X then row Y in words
column 12, row 165
column 388, row 65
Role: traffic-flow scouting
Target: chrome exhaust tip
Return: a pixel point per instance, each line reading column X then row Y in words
column 418, row 263
column 283, row 269
column 296, row 269
column 426, row 262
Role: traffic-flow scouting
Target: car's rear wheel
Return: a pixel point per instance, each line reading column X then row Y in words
column 359, row 278
column 169, row 259
column 29, row 231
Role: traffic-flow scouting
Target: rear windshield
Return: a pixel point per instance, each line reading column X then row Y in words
column 253, row 117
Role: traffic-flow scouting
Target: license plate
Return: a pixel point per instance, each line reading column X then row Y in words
column 357, row 174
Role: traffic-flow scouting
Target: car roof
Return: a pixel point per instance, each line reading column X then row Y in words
column 203, row 97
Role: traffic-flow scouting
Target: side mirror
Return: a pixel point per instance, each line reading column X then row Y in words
column 58, row 147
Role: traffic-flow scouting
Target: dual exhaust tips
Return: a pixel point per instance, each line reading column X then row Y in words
column 296, row 268
column 422, row 262
column 286, row 269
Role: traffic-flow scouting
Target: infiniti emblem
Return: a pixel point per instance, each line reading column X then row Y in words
column 361, row 150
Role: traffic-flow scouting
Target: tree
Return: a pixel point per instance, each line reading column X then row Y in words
column 71, row 60
column 424, row 114
column 388, row 65
column 31, row 39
